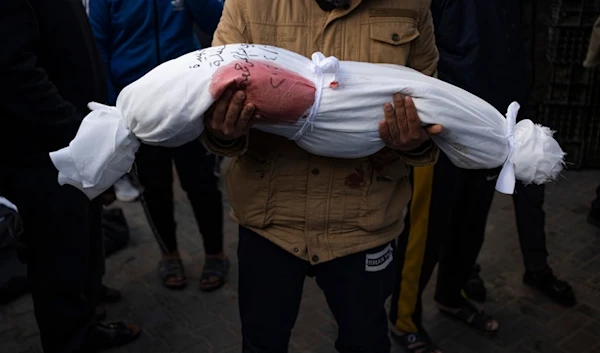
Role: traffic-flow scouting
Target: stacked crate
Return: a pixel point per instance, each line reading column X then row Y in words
column 571, row 106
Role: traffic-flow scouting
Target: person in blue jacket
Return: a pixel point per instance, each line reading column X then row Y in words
column 482, row 50
column 135, row 36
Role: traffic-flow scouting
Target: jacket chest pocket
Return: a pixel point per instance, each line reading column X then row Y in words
column 391, row 38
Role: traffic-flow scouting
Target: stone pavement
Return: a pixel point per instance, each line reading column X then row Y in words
column 191, row 321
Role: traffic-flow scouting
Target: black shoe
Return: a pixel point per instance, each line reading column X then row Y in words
column 556, row 289
column 475, row 288
column 417, row 342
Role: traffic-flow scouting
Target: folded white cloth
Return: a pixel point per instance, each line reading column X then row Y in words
column 340, row 105
column 5, row 202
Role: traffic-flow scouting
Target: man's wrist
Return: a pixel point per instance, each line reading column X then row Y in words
column 225, row 143
column 221, row 142
column 426, row 145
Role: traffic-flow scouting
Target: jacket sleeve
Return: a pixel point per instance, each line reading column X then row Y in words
column 100, row 22
column 206, row 13
column 424, row 53
column 231, row 30
column 593, row 55
column 25, row 90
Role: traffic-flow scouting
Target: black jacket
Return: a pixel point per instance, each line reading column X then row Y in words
column 482, row 48
column 50, row 68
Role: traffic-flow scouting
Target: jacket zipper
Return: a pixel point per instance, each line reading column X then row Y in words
column 156, row 32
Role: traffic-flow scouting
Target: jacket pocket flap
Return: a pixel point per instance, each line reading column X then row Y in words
column 396, row 32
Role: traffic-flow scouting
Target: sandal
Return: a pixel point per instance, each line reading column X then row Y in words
column 469, row 315
column 107, row 336
column 415, row 342
column 214, row 268
column 172, row 273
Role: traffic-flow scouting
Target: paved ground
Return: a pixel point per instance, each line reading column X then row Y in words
column 190, row 321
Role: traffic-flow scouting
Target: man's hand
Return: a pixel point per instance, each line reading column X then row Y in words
column 228, row 119
column 401, row 130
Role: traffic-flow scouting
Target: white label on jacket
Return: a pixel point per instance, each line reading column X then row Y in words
column 380, row 260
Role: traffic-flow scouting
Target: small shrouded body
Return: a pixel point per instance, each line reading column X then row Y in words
column 328, row 107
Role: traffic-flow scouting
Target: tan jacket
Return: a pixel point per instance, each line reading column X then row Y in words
column 593, row 54
column 320, row 208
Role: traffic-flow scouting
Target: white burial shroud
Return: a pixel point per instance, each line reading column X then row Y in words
column 166, row 106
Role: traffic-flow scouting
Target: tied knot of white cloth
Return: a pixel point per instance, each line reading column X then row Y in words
column 507, row 179
column 320, row 65
column 325, row 65
column 102, row 152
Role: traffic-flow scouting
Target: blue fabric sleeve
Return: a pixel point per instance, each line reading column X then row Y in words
column 100, row 21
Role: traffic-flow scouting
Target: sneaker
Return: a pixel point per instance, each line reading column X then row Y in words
column 414, row 342
column 125, row 191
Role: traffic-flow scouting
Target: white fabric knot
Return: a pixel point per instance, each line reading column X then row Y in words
column 100, row 154
column 507, row 180
column 321, row 65
column 325, row 65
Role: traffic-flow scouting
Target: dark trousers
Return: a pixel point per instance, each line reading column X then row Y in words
column 531, row 224
column 196, row 171
column 462, row 244
column 270, row 289
column 455, row 214
column 63, row 240
column 462, row 200
column 446, row 223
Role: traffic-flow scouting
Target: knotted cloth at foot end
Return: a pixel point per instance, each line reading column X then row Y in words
column 534, row 155
column 100, row 154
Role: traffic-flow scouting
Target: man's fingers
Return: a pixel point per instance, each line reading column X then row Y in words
column 401, row 118
column 434, row 129
column 256, row 118
column 220, row 108
column 412, row 119
column 245, row 116
column 384, row 132
column 391, row 123
column 236, row 105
